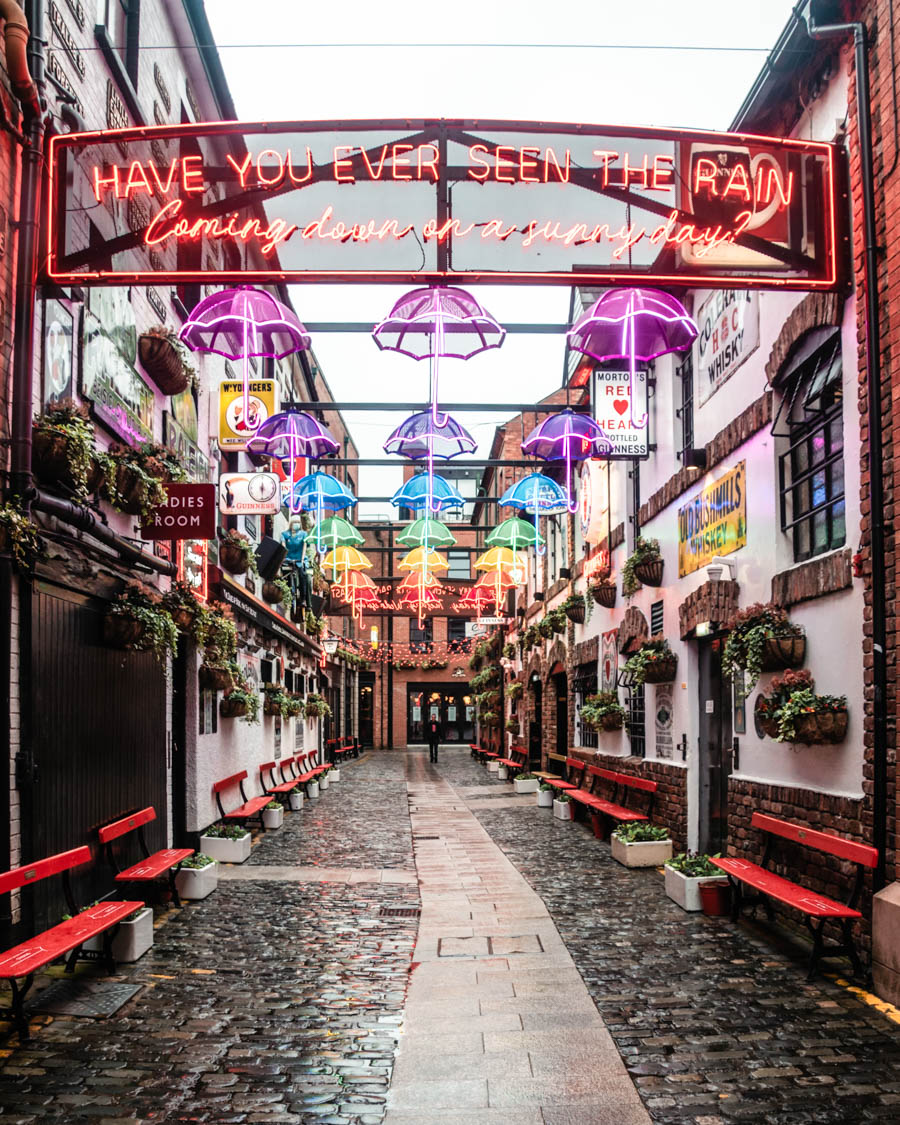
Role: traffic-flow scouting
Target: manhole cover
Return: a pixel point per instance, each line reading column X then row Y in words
column 82, row 998
column 400, row 912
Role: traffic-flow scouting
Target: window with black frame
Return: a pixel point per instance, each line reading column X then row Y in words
column 685, row 412
column 585, row 685
column 636, row 719
column 421, row 635
column 811, row 429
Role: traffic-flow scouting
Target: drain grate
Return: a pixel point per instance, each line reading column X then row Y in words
column 400, row 912
column 82, row 998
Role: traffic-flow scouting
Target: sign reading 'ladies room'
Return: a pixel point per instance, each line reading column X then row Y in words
column 431, row 200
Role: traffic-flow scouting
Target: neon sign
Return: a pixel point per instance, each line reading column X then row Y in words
column 433, row 200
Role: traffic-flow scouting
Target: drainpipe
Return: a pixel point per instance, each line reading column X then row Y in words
column 873, row 392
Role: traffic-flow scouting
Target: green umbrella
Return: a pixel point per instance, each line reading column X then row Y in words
column 338, row 532
column 439, row 535
column 514, row 533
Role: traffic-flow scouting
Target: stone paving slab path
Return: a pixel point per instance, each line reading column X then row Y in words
column 499, row 1027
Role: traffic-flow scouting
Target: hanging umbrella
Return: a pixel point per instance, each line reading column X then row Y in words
column 289, row 436
column 338, row 532
column 495, row 585
column 423, row 558
column 503, row 569
column 244, row 322
column 513, row 533
column 477, row 597
column 429, row 490
column 346, row 559
column 361, row 591
column 419, row 436
column 568, row 436
column 633, row 324
column 440, row 321
column 537, row 494
column 437, row 533
column 321, row 493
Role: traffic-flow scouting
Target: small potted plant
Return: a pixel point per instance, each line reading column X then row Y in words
column 325, row 779
column 812, row 719
column 137, row 620
column 240, row 702
column 574, row 608
column 295, row 799
column 603, row 712
column 603, row 590
column 514, row 690
column 562, row 806
column 18, row 536
column 133, row 937
column 502, row 771
column 62, row 446
column 236, row 553
column 643, row 567
column 197, row 877
column 545, row 796
column 165, row 359
column 315, row 706
column 639, row 844
column 273, row 815
column 312, row 789
column 685, row 874
column 526, row 783
column 653, row 663
column 512, row 725
column 762, row 638
column 227, row 843
column 137, row 476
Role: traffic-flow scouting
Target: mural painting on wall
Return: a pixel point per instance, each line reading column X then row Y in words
column 609, row 661
column 663, row 720
column 714, row 522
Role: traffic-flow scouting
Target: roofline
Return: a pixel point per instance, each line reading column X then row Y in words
column 758, row 94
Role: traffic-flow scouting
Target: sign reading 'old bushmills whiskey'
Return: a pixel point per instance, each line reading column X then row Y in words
column 426, row 200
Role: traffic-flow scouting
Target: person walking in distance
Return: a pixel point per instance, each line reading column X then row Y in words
column 434, row 737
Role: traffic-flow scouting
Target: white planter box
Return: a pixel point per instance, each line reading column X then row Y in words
column 685, row 890
column 335, row 774
column 226, row 851
column 273, row 818
column 132, row 940
column 324, row 779
column 295, row 800
column 503, row 773
column 529, row 786
column 562, row 810
column 312, row 790
column 197, row 882
column 648, row 853
column 493, row 765
column 545, row 798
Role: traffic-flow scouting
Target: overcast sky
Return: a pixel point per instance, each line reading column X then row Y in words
column 281, row 64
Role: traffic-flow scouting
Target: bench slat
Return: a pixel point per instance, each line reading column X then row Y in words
column 154, row 866
column 52, row 865
column 126, row 824
column 791, row 894
column 38, row 951
column 812, row 838
column 227, row 782
column 251, row 808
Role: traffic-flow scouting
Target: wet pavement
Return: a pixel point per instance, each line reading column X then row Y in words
column 284, row 997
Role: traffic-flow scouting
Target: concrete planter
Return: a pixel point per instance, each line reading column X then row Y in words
column 545, row 799
column 324, row 780
column 197, row 882
column 562, row 810
column 273, row 818
column 685, row 889
column 295, row 800
column 647, row 853
column 335, row 774
column 503, row 773
column 493, row 766
column 226, row 851
column 312, row 790
column 133, row 938
column 529, row 786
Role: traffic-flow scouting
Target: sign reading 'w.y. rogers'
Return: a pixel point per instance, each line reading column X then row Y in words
column 430, row 200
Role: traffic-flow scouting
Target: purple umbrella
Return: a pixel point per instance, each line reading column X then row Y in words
column 633, row 324
column 567, row 435
column 439, row 322
column 243, row 322
column 292, row 434
column 418, row 436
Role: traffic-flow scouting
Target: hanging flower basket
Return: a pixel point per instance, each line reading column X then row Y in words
column 661, row 671
column 783, row 652
column 604, row 595
column 122, row 631
column 183, row 618
column 233, row 708
column 271, row 593
column 131, row 489
column 50, row 458
column 822, row 727
column 574, row 608
column 163, row 363
column 233, row 559
column 612, row 721
column 211, row 678
column 650, row 572
column 545, row 628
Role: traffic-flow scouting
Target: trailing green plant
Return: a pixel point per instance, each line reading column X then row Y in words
column 240, row 542
column 800, row 704
column 243, row 693
column 525, row 777
column 316, row 706
column 284, row 589
column 514, row 689
column 532, row 636
column 149, row 467
column 21, row 535
column 640, row 833
column 509, row 650
column 274, row 805
column 315, row 626
column 573, row 601
column 434, row 664
column 748, row 631
column 216, row 631
column 227, row 832
column 278, row 701
column 186, row 609
column 653, row 651
column 489, row 719
column 67, row 424
column 557, row 619
column 158, row 634
column 545, row 627
column 694, row 865
column 645, row 550
column 198, row 861
column 602, row 710
column 512, row 725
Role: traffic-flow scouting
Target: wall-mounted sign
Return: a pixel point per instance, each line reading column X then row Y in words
column 665, row 711
column 234, row 429
column 249, row 493
column 425, row 200
column 57, row 352
column 191, row 559
column 615, row 408
column 594, row 503
column 609, row 660
column 728, row 324
column 714, row 522
column 121, row 399
column 188, row 513
column 192, row 457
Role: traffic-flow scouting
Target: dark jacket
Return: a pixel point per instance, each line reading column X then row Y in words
column 434, row 731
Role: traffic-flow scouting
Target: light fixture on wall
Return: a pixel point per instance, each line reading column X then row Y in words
column 330, row 645
column 565, row 572
column 693, row 458
column 716, row 565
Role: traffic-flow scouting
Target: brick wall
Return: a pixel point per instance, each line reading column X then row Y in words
column 713, row 601
column 813, row 579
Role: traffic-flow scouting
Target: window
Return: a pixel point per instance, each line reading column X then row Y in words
column 811, row 468
column 459, row 564
column 123, row 19
column 423, row 635
column 585, row 685
column 685, row 374
column 635, row 719
column 656, row 619
column 456, row 629
column 552, row 549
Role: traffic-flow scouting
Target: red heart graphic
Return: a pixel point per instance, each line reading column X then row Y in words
column 620, row 405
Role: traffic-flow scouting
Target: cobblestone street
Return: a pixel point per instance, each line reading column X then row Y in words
column 285, row 996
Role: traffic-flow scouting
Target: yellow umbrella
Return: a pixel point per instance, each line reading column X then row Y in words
column 346, row 559
column 425, row 559
column 505, row 561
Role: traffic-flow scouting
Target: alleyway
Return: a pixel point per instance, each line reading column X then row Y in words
column 548, row 984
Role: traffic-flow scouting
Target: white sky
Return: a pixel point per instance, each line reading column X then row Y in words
column 274, row 75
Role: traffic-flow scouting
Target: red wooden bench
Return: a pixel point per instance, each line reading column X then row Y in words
column 289, row 778
column 574, row 768
column 816, row 908
column 310, row 766
column 484, row 755
column 250, row 806
column 613, row 808
column 162, row 863
column 516, row 762
column 65, row 940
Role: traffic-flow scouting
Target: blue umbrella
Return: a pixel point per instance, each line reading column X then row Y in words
column 323, row 493
column 537, row 494
column 416, row 494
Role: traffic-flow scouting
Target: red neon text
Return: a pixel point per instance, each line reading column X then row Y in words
column 167, row 224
